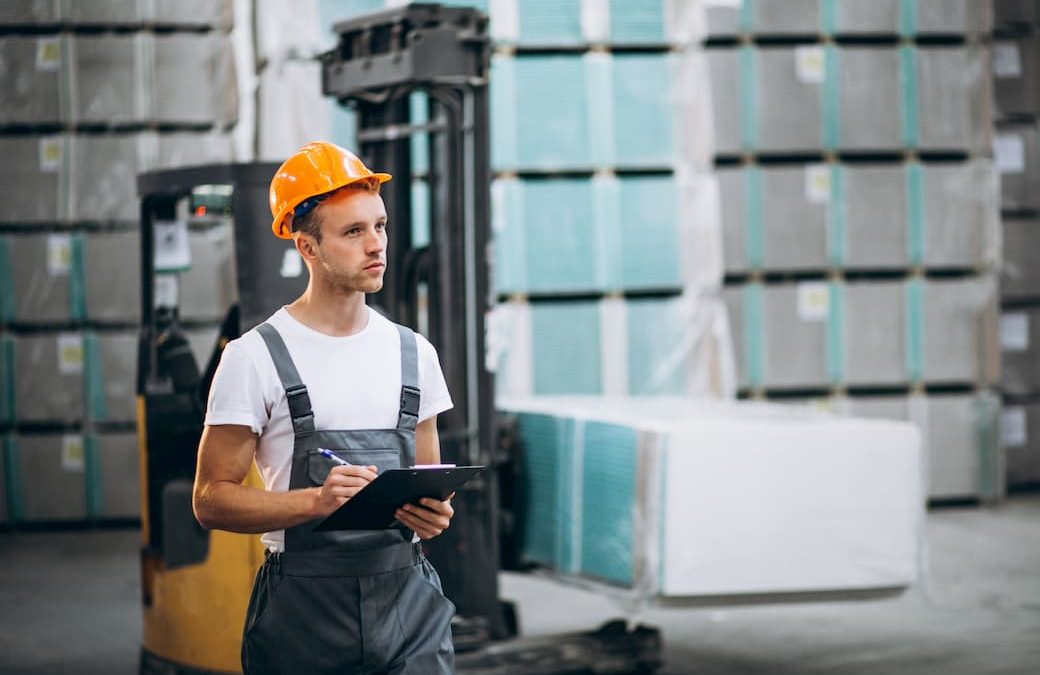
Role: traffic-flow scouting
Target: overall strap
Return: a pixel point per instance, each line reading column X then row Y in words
column 409, row 415
column 295, row 391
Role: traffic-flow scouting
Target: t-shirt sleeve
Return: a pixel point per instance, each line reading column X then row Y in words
column 435, row 397
column 236, row 395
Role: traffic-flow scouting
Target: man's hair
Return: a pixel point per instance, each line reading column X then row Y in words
column 310, row 221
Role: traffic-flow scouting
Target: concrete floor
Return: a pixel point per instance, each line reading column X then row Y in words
column 69, row 603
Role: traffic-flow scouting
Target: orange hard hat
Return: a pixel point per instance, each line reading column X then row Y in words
column 315, row 170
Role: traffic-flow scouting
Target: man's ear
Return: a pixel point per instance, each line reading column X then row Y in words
column 305, row 246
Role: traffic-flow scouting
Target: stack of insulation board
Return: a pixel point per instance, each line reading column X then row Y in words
column 94, row 94
column 685, row 498
column 1016, row 85
column 860, row 210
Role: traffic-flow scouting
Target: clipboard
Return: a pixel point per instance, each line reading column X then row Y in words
column 373, row 507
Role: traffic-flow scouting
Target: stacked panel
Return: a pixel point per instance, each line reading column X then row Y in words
column 675, row 498
column 96, row 93
column 860, row 207
column 1016, row 85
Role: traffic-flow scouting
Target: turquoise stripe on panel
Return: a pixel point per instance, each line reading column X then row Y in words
column 420, row 213
column 77, row 279
column 754, row 334
column 828, row 17
column 915, row 216
column 837, row 243
column 836, row 332
column 7, row 397
column 637, row 22
column 914, row 298
column 542, row 452
column 650, row 247
column 908, row 81
column 907, row 18
column 482, row 5
column 987, row 444
column 94, row 378
column 13, row 479
column 333, row 11
column 659, row 336
column 831, row 98
column 418, row 113
column 510, row 273
column 569, row 490
column 754, row 228
column 643, row 106
column 566, row 348
column 610, row 250
column 747, row 16
column 343, row 125
column 503, row 112
column 550, row 22
column 748, row 99
column 92, row 476
column 559, row 232
column 609, row 469
column 600, row 94
column 7, row 300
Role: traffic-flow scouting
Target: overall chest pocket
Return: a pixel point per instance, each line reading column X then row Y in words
column 318, row 465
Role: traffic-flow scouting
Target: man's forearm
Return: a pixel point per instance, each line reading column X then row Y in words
column 234, row 507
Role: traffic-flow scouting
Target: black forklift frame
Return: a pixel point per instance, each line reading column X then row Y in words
column 380, row 59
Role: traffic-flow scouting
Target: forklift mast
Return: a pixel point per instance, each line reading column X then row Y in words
column 442, row 288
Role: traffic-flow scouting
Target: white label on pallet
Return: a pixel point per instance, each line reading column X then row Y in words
column 1014, row 332
column 70, row 354
column 1014, row 428
column 818, row 183
column 166, row 290
column 172, row 249
column 72, row 452
column 1009, row 150
column 292, row 264
column 1007, row 60
column 50, row 154
column 810, row 64
column 48, row 54
column 814, row 300
column 59, row 254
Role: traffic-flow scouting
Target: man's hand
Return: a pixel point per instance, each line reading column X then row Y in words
column 428, row 519
column 342, row 483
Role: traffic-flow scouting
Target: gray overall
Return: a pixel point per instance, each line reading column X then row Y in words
column 348, row 601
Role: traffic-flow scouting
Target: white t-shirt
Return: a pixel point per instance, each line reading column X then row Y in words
column 354, row 382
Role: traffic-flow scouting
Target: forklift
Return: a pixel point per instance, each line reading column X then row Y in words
column 196, row 583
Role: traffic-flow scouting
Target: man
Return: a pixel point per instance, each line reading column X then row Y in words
column 328, row 373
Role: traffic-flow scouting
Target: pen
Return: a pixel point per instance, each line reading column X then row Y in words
column 333, row 457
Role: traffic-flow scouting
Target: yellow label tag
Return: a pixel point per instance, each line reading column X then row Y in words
column 48, row 54
column 59, row 254
column 810, row 64
column 50, row 154
column 72, row 452
column 818, row 183
column 70, row 353
column 814, row 300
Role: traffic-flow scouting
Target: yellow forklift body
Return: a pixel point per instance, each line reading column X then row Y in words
column 193, row 615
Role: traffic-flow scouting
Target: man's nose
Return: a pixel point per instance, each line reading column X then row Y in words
column 375, row 241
